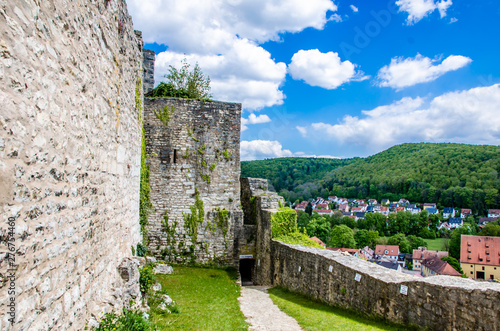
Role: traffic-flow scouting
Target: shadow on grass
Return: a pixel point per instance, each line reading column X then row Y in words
column 312, row 309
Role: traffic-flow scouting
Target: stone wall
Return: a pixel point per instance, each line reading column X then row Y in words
column 149, row 70
column 69, row 159
column 437, row 303
column 194, row 159
column 259, row 203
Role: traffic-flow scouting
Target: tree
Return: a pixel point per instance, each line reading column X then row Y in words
column 366, row 238
column 453, row 262
column 342, row 237
column 491, row 229
column 318, row 227
column 309, row 209
column 416, row 242
column 193, row 83
column 401, row 241
column 455, row 240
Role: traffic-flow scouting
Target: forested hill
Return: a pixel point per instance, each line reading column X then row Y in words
column 454, row 175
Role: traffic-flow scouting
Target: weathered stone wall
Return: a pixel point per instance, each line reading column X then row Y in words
column 149, row 70
column 194, row 156
column 258, row 205
column 69, row 158
column 438, row 302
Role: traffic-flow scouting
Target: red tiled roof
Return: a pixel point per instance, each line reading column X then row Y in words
column 392, row 250
column 480, row 250
column 440, row 267
column 316, row 239
column 348, row 250
column 423, row 255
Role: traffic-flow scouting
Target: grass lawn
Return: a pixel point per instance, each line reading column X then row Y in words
column 313, row 315
column 435, row 244
column 207, row 300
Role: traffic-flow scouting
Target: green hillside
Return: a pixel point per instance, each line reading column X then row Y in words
column 463, row 176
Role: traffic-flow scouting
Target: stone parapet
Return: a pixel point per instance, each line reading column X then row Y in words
column 437, row 302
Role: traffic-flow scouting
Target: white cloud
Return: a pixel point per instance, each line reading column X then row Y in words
column 245, row 74
column 302, row 130
column 354, row 8
column 223, row 35
column 322, row 69
column 261, row 149
column 469, row 116
column 418, row 9
column 402, row 73
column 267, row 149
column 453, row 20
column 253, row 119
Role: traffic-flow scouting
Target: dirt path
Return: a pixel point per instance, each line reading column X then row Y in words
column 261, row 313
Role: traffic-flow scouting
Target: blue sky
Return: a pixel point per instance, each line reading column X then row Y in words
column 339, row 78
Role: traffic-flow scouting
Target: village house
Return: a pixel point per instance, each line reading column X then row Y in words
column 435, row 266
column 480, row 257
column 372, row 202
column 413, row 209
column 387, row 251
column 403, row 202
column 465, row 213
column 367, row 252
column 455, row 222
column 444, row 225
column 428, row 205
column 384, row 210
column 485, row 220
column 359, row 215
column 448, row 212
column 432, row 211
column 322, row 206
column 344, row 207
column 421, row 254
column 323, row 212
column 390, row 265
column 493, row 212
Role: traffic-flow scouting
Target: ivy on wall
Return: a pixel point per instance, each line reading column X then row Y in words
column 196, row 217
column 145, row 189
column 165, row 114
column 283, row 222
column 284, row 228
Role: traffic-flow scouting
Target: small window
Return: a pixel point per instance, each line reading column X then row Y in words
column 483, row 268
column 175, row 156
column 471, row 272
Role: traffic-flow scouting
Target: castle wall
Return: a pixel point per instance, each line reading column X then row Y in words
column 437, row 303
column 149, row 70
column 69, row 159
column 194, row 156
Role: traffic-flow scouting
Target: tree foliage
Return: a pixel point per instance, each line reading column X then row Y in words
column 491, row 229
column 451, row 175
column 184, row 83
column 453, row 262
column 342, row 237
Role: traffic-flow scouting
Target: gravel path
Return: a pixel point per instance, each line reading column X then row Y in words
column 261, row 313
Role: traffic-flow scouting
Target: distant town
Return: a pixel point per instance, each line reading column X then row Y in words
column 479, row 255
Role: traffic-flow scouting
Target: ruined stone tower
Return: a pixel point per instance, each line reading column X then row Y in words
column 194, row 159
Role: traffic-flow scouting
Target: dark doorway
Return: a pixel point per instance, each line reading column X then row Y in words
column 246, row 271
column 479, row 274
